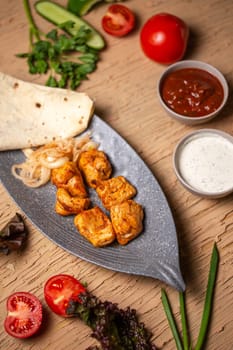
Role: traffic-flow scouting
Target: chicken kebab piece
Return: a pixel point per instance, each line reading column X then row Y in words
column 72, row 196
column 114, row 191
column 95, row 226
column 94, row 166
column 127, row 218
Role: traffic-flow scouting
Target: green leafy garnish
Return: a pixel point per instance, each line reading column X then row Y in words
column 185, row 343
column 113, row 327
column 67, row 60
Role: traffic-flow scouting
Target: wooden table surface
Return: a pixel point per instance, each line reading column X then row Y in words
column 124, row 90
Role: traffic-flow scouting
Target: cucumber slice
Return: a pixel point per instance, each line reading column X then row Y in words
column 58, row 15
column 81, row 7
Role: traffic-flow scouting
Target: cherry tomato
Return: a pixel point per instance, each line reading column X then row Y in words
column 59, row 290
column 164, row 38
column 24, row 316
column 118, row 21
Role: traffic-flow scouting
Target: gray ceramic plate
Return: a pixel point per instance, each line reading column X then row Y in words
column 154, row 253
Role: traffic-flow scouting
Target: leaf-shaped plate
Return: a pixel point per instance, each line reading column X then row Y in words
column 154, row 253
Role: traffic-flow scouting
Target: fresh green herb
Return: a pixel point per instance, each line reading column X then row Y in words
column 185, row 344
column 114, row 328
column 67, row 60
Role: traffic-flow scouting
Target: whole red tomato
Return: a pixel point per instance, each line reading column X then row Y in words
column 164, row 38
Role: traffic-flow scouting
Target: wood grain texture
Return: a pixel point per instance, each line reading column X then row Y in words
column 124, row 90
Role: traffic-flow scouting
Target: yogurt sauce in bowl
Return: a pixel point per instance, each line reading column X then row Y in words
column 203, row 162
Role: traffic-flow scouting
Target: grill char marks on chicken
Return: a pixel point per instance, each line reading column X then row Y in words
column 115, row 191
column 72, row 196
column 127, row 220
column 95, row 226
column 95, row 167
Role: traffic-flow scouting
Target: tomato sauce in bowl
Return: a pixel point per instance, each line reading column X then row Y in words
column 192, row 92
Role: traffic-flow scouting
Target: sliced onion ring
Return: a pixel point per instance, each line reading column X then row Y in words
column 36, row 170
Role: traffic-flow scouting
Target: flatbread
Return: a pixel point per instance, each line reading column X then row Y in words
column 33, row 115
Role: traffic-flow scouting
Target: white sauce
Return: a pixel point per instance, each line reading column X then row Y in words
column 206, row 163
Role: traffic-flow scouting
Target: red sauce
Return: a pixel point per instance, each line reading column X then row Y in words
column 192, row 92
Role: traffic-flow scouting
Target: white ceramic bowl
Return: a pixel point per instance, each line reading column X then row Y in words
column 199, row 65
column 203, row 163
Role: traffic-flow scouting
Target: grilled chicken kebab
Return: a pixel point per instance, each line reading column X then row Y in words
column 93, row 168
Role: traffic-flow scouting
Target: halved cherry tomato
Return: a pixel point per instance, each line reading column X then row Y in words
column 164, row 38
column 24, row 316
column 59, row 290
column 118, row 21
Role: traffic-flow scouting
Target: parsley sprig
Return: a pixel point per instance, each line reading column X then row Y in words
column 67, row 60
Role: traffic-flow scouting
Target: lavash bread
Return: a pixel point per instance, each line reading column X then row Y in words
column 33, row 115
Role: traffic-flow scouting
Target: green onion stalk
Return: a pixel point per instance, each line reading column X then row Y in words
column 183, row 343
